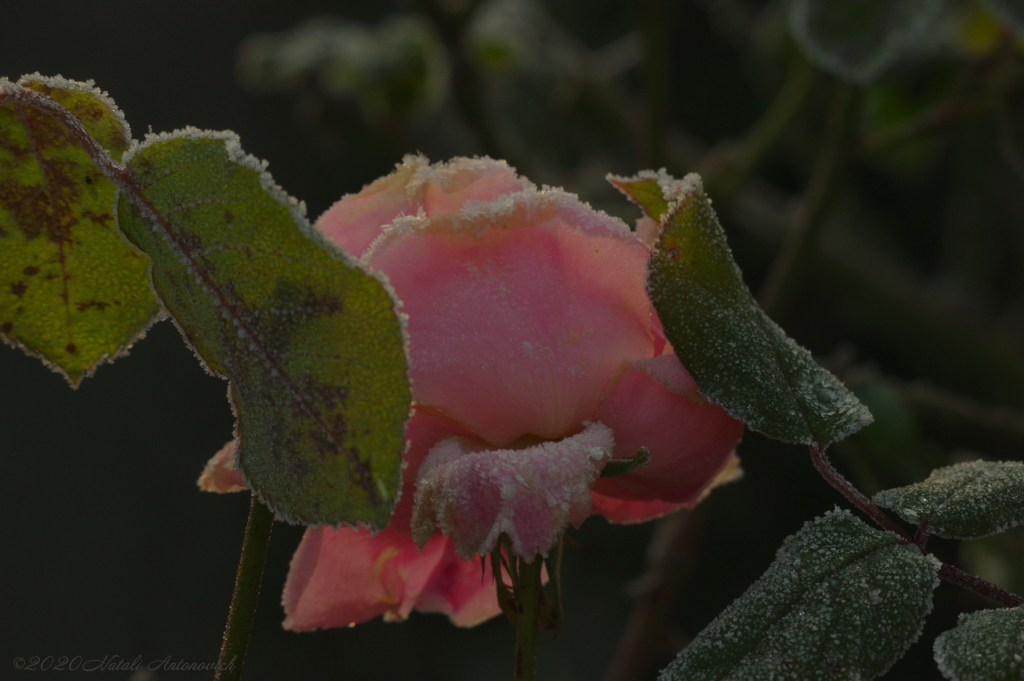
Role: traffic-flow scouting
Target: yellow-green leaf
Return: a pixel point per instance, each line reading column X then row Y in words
column 310, row 340
column 72, row 291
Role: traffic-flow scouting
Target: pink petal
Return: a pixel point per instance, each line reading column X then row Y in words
column 357, row 219
column 520, row 310
column 343, row 576
column 220, row 474
column 630, row 511
column 458, row 589
column 531, row 495
column 446, row 187
column 654, row 403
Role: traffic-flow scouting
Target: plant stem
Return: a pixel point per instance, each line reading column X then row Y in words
column 948, row 573
column 656, row 73
column 528, row 595
column 798, row 245
column 671, row 559
column 854, row 495
column 767, row 130
column 247, row 592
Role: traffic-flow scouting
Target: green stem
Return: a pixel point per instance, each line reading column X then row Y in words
column 790, row 262
column 767, row 131
column 247, row 592
column 656, row 74
column 528, row 595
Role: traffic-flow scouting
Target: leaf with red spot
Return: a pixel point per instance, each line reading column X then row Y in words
column 72, row 291
column 310, row 340
column 739, row 357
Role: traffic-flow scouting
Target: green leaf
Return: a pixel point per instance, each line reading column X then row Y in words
column 740, row 358
column 309, row 339
column 963, row 501
column 859, row 40
column 72, row 291
column 987, row 645
column 1012, row 14
column 841, row 601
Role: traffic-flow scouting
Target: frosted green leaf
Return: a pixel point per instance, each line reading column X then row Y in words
column 1012, row 14
column 987, row 645
column 859, row 40
column 963, row 501
column 740, row 358
column 310, row 341
column 842, row 601
column 72, row 291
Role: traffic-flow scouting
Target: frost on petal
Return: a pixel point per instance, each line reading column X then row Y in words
column 648, row 231
column 357, row 219
column 531, row 495
column 520, row 311
column 340, row 577
column 220, row 474
column 654, row 403
column 415, row 188
column 444, row 188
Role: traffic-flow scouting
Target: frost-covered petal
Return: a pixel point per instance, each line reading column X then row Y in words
column 220, row 474
column 654, row 403
column 520, row 310
column 357, row 219
column 416, row 187
column 342, row 576
column 445, row 188
column 531, row 495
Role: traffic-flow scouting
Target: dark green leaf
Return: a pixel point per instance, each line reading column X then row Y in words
column 310, row 340
column 987, row 645
column 859, row 40
column 740, row 358
column 72, row 291
column 963, row 501
column 842, row 601
column 1012, row 14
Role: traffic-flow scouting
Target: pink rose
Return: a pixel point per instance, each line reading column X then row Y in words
column 536, row 357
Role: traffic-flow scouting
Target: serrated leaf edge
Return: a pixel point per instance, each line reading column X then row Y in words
column 87, row 87
column 675, row 193
column 297, row 209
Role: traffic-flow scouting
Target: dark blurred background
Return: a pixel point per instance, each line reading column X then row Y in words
column 896, row 203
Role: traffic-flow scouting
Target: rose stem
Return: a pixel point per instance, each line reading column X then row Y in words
column 948, row 573
column 247, row 592
column 671, row 560
column 528, row 595
column 798, row 245
column 855, row 496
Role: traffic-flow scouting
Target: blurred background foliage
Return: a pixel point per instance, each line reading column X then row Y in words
column 868, row 168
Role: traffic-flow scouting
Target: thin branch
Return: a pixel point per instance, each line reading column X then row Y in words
column 247, row 592
column 799, row 244
column 854, row 495
column 948, row 573
column 760, row 139
column 671, row 557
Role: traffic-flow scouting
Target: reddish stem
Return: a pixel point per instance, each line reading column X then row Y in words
column 921, row 536
column 948, row 573
column 854, row 495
